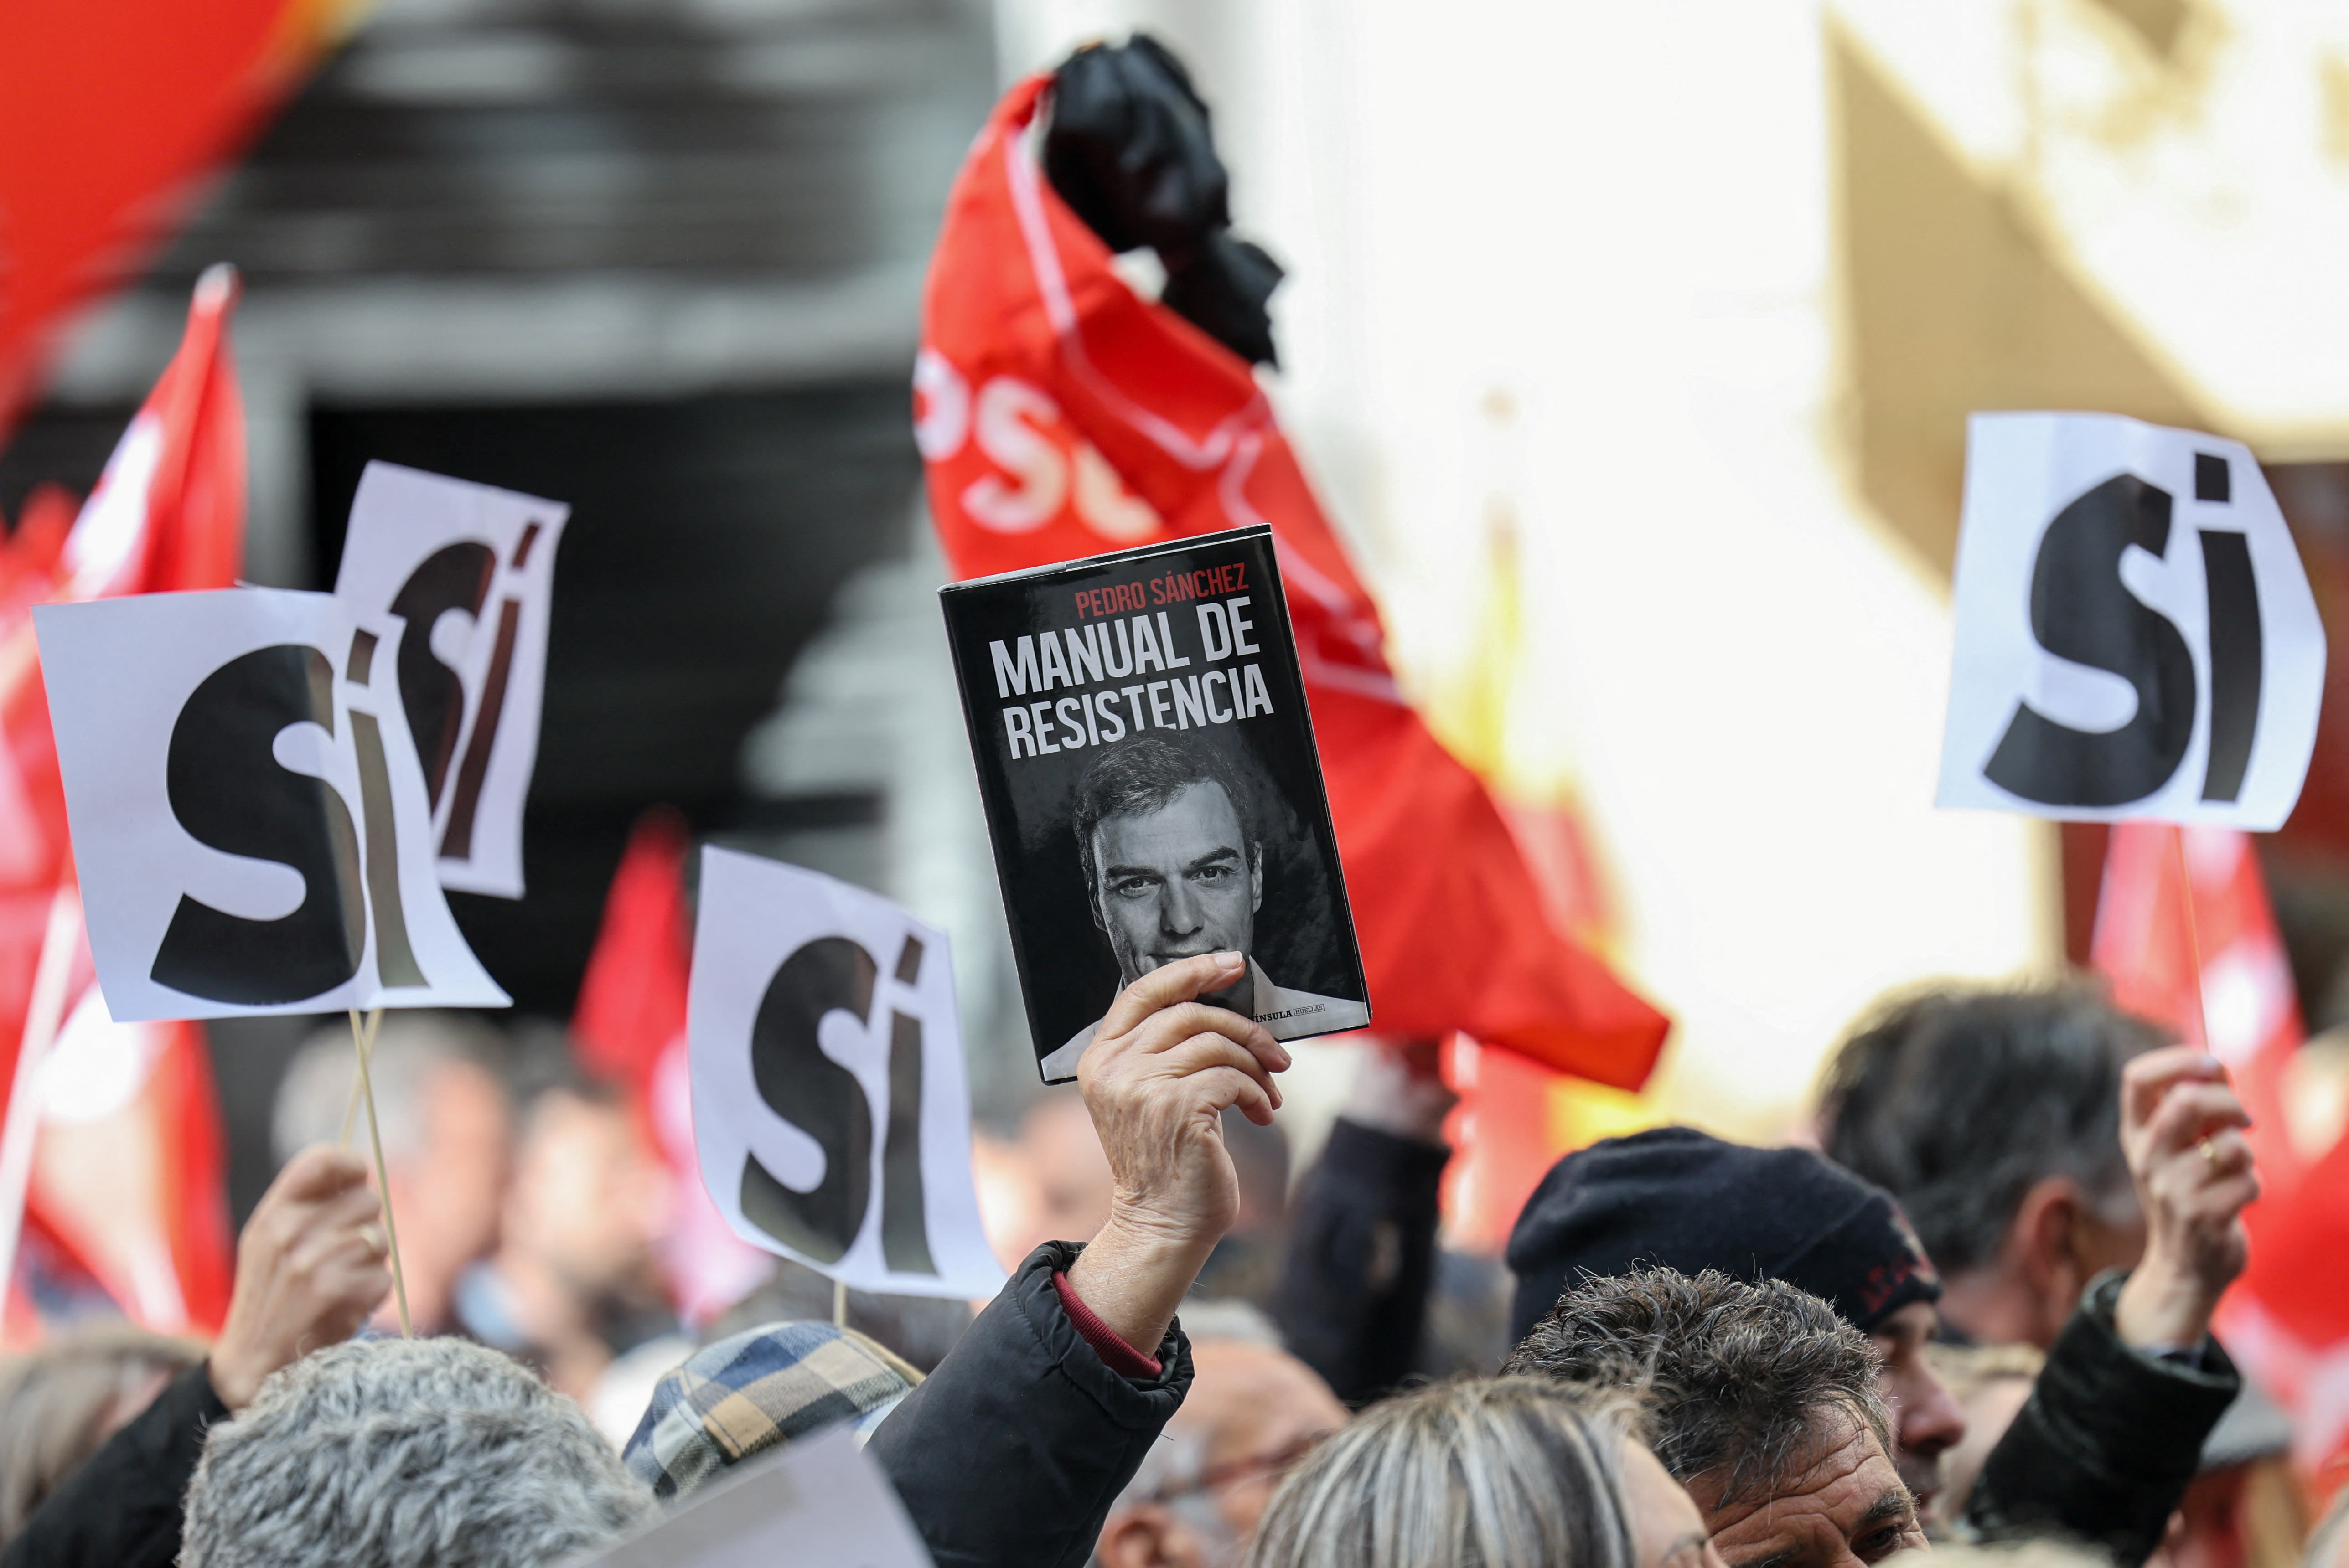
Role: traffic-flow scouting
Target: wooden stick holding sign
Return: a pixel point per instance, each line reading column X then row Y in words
column 831, row 1111
column 249, row 817
column 363, row 1043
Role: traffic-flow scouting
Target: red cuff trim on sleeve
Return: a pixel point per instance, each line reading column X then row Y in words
column 1116, row 1354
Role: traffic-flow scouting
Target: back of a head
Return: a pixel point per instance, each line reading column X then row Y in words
column 1499, row 1474
column 1736, row 1377
column 1957, row 1101
column 1677, row 1198
column 426, row 1453
column 59, row 1402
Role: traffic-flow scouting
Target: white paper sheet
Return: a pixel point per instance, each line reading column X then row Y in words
column 830, row 1106
column 237, row 855
column 2135, row 635
column 469, row 570
column 818, row 1503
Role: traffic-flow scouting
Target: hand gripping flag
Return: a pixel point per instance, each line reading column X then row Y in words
column 2216, row 974
column 1059, row 415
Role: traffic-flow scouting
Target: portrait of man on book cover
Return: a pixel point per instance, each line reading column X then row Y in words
column 1174, row 866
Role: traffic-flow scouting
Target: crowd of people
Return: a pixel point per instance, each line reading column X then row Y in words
column 1976, row 1315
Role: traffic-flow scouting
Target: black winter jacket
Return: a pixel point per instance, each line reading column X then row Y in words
column 2108, row 1441
column 1012, row 1451
column 121, row 1510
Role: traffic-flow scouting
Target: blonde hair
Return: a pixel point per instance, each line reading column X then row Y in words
column 59, row 1402
column 1509, row 1473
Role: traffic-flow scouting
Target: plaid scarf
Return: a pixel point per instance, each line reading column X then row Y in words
column 761, row 1388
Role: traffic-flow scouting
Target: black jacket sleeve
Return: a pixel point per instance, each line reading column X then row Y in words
column 121, row 1510
column 2108, row 1441
column 1011, row 1454
column 1361, row 1257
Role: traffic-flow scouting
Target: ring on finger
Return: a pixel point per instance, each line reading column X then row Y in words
column 2209, row 1154
column 372, row 1237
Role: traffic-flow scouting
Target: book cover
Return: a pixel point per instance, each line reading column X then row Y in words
column 1147, row 763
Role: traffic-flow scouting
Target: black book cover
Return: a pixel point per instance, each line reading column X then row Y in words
column 1146, row 759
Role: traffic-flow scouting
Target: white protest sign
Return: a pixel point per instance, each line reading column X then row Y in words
column 469, row 572
column 821, row 1502
column 830, row 1106
column 248, row 816
column 2135, row 635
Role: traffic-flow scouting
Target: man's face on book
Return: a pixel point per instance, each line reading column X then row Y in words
column 1176, row 882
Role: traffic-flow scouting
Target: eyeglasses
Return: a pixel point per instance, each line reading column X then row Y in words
column 1273, row 1466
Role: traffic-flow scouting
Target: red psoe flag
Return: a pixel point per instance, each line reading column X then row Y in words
column 1059, row 415
column 2216, row 974
column 149, row 1218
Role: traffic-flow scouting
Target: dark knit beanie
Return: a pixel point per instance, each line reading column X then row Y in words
column 1684, row 1200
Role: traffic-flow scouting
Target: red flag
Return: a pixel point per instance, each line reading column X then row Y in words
column 632, row 1000
column 110, row 116
column 1062, row 415
column 2214, row 970
column 168, row 515
column 629, row 1026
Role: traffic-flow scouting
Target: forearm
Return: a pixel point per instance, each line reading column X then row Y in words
column 1355, row 1287
column 1063, row 1431
column 2103, row 1449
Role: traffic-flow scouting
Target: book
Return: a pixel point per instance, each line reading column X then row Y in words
column 1146, row 759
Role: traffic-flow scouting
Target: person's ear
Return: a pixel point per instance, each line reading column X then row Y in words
column 2048, row 1239
column 1256, row 876
column 1145, row 1536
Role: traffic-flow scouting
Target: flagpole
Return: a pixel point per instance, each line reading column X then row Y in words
column 43, row 1016
column 2193, row 938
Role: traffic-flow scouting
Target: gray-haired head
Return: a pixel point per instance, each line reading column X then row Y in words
column 409, row 1047
column 1511, row 1473
column 423, row 1453
column 1741, row 1380
column 1959, row 1099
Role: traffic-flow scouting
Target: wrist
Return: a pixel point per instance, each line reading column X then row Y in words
column 1134, row 1274
column 2162, row 1307
column 233, row 1381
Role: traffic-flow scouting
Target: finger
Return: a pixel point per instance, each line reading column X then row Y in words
column 1187, row 1020
column 350, row 1294
column 1168, row 985
column 2147, row 1077
column 2190, row 1112
column 1221, row 1088
column 1204, row 1055
column 317, row 1172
